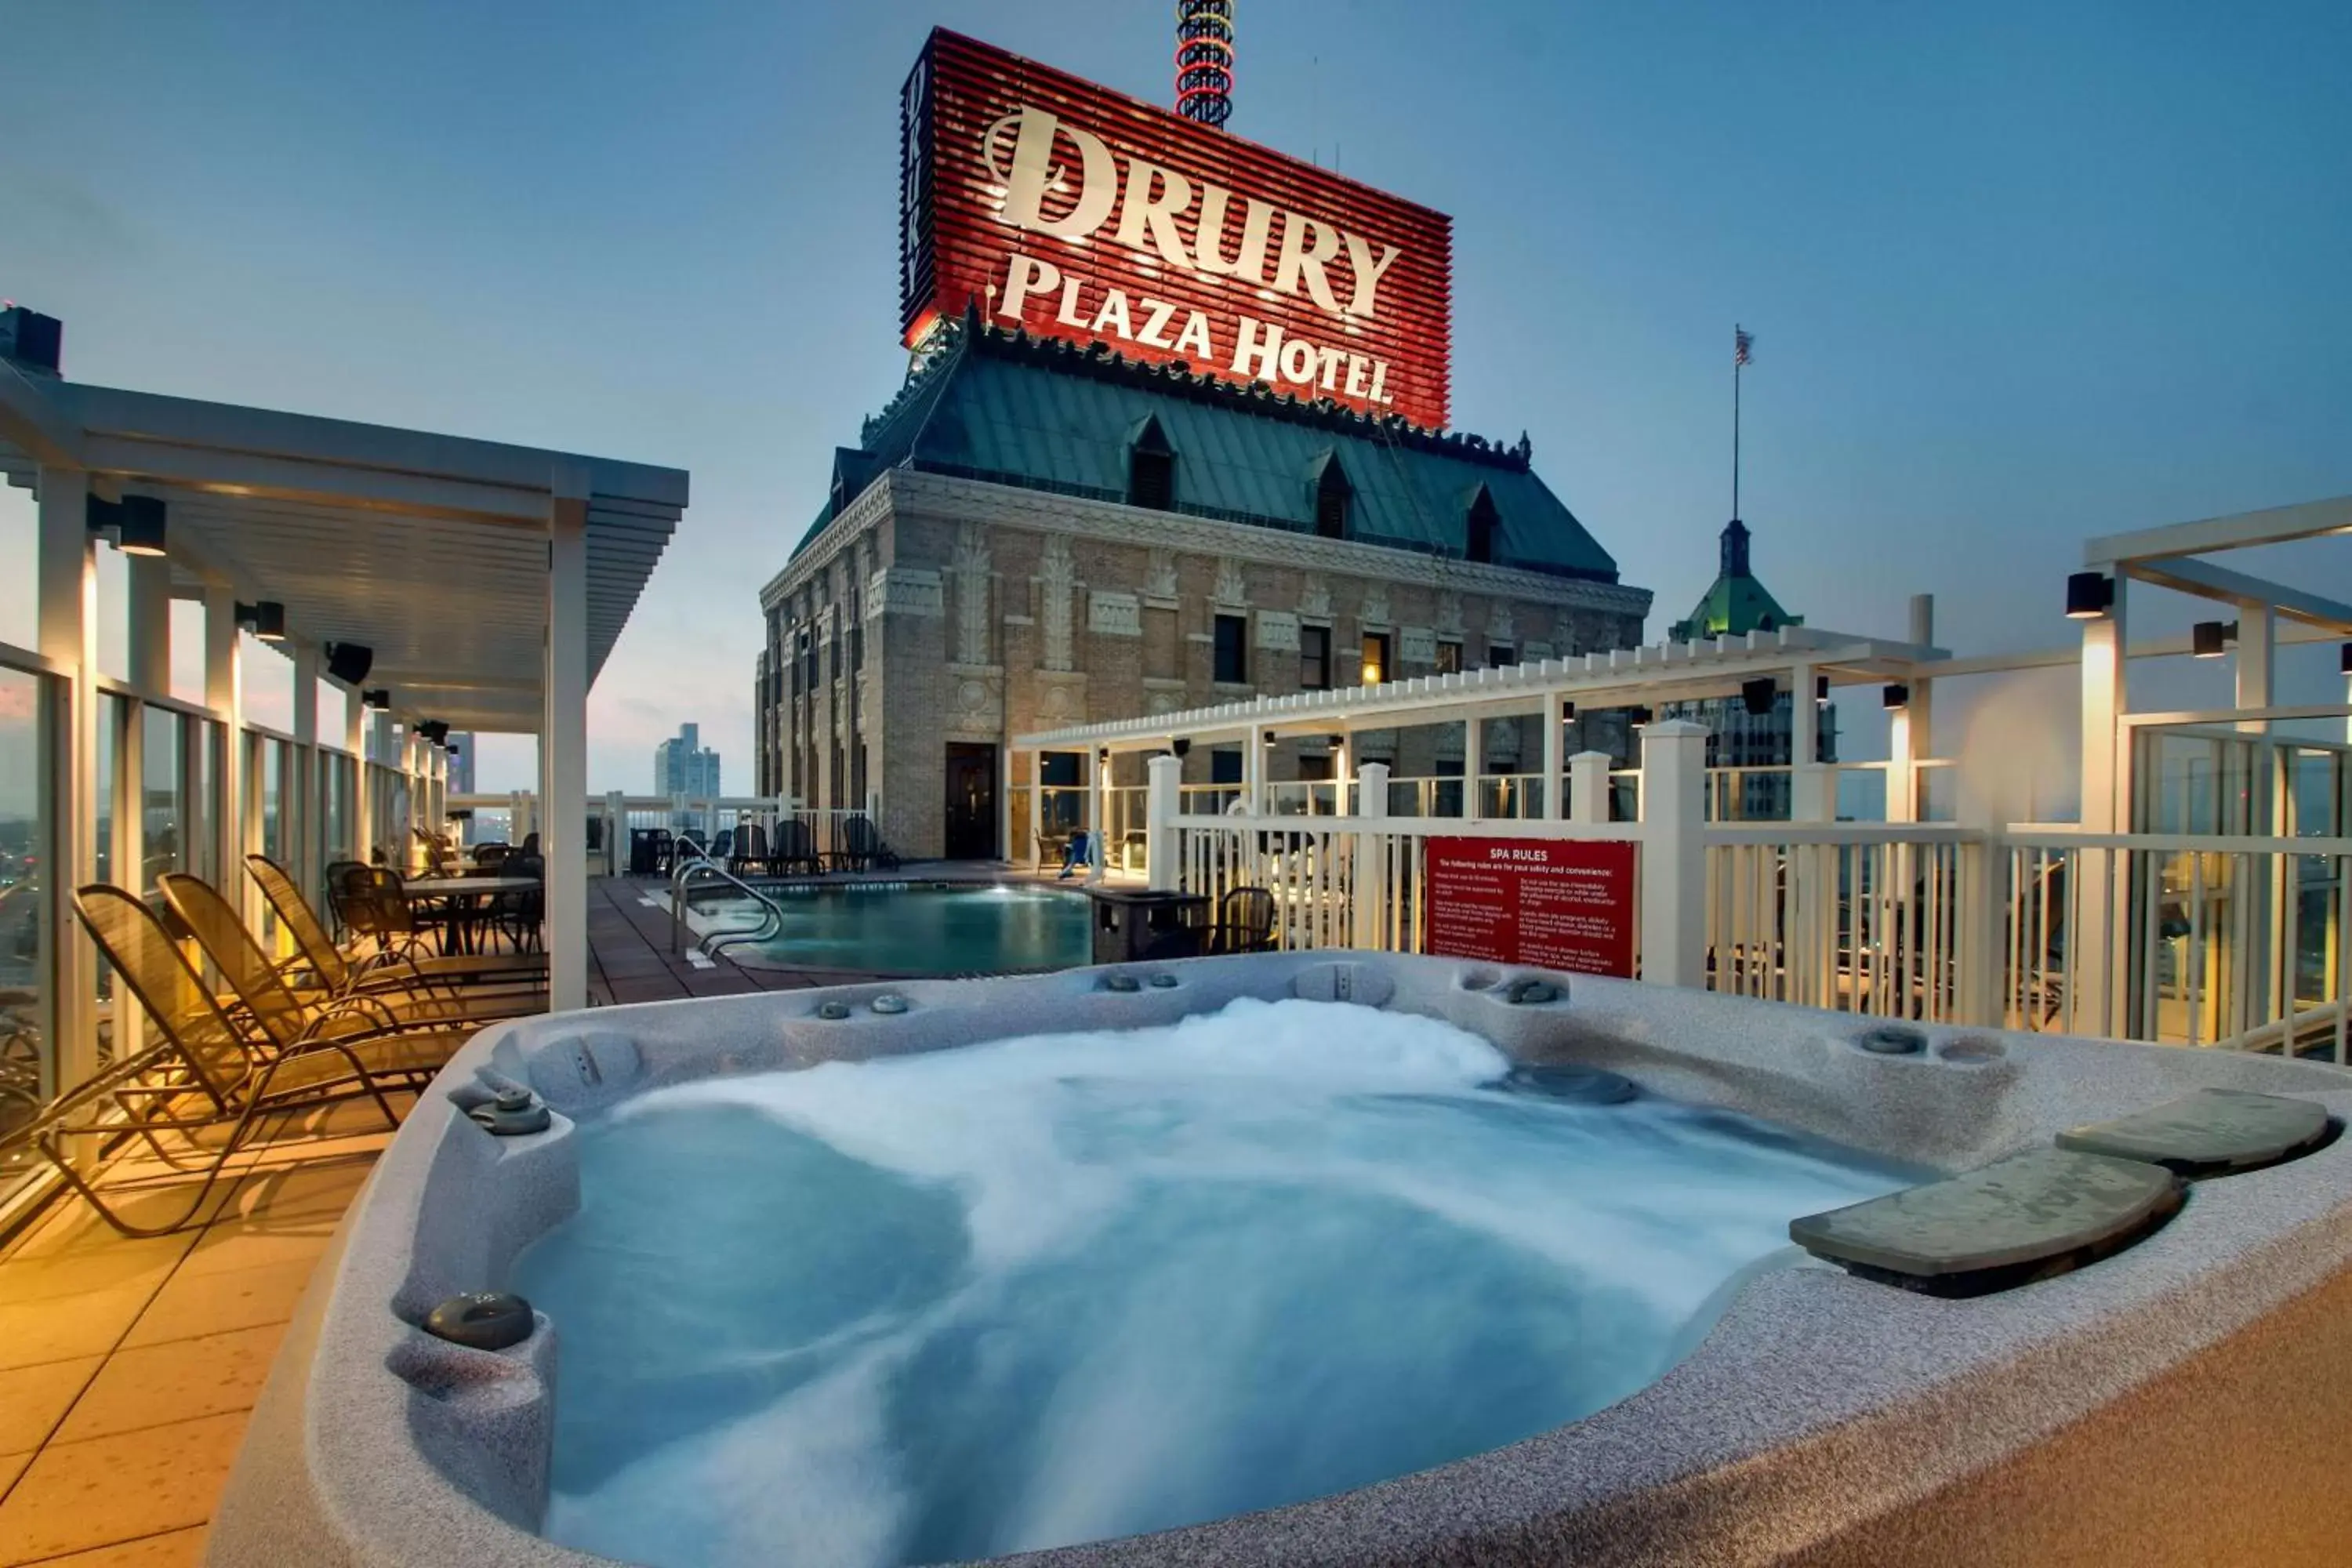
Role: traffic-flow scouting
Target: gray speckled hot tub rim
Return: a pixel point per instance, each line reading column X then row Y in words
column 1818, row 1402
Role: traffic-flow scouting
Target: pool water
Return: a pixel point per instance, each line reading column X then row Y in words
column 1062, row 1287
column 924, row 931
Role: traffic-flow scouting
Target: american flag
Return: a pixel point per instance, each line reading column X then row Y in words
column 1743, row 344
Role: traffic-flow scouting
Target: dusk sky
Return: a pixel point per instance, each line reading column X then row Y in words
column 2018, row 274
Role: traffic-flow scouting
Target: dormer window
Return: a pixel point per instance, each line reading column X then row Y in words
column 1151, row 469
column 1333, row 495
column 1482, row 524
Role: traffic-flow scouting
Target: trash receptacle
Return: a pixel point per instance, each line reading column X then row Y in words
column 645, row 852
column 1135, row 924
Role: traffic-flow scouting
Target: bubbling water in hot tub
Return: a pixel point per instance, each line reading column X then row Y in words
column 1066, row 1287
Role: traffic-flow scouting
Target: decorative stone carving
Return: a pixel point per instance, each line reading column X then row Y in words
column 1535, row 651
column 1159, row 578
column 1314, row 597
column 975, row 699
column 1500, row 625
column 901, row 591
column 971, row 579
column 1115, row 615
column 1375, row 611
column 1233, row 584
column 1277, row 631
column 1449, row 611
column 1416, row 645
column 1057, row 579
column 1061, row 699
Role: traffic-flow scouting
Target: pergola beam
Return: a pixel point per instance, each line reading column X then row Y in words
column 2187, row 574
column 2240, row 531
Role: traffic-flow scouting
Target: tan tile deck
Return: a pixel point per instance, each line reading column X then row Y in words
column 127, row 1368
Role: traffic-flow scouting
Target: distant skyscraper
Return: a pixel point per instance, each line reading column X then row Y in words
column 685, row 766
column 461, row 763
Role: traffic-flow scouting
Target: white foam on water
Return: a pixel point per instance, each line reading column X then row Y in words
column 1249, row 1258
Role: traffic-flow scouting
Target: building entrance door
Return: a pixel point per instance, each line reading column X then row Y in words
column 972, row 801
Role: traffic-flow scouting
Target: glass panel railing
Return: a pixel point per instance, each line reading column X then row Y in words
column 163, row 798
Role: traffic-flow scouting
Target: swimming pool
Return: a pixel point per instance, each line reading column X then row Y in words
column 990, row 929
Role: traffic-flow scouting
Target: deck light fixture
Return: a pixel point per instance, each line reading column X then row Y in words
column 2210, row 639
column 2344, row 659
column 1269, row 737
column 2089, row 595
column 266, row 619
column 1895, row 696
column 1638, row 715
column 1567, row 712
column 1756, row 696
column 379, row 698
column 1182, row 745
column 135, row 523
column 436, row 731
column 1820, row 692
column 349, row 662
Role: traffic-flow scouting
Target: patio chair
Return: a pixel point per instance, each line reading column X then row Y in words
column 490, row 855
column 521, row 917
column 285, row 1019
column 472, row 993
column 796, row 845
column 372, row 904
column 862, row 849
column 205, row 1073
column 1244, row 923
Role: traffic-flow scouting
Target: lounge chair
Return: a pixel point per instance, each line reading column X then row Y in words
column 463, row 993
column 749, row 852
column 794, row 846
column 862, row 849
column 1244, row 923
column 207, row 1073
column 287, row 1019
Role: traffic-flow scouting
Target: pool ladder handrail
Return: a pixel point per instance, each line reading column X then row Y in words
column 681, row 893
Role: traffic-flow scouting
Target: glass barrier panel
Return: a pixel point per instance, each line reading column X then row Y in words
column 29, row 1065
column 162, row 804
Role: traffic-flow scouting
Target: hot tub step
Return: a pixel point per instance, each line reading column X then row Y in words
column 2209, row 1132
column 2024, row 1219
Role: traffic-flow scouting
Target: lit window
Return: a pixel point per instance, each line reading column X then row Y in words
column 1376, row 657
column 1449, row 657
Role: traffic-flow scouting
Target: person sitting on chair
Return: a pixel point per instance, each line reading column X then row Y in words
column 1074, row 859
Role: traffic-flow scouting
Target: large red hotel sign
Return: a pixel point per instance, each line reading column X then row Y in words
column 1046, row 201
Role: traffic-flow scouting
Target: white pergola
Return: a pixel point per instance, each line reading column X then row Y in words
column 1794, row 658
column 491, row 582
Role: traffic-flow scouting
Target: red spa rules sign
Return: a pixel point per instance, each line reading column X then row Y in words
column 1555, row 903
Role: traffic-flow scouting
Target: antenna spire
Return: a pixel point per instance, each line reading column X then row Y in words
column 1204, row 60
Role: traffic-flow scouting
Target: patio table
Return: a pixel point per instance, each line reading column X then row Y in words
column 463, row 902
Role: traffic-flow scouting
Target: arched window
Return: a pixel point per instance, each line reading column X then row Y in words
column 1151, row 469
column 1482, row 524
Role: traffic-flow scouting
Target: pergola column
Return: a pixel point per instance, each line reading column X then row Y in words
column 225, row 695
column 564, row 741
column 2099, row 979
column 67, row 596
column 361, row 806
column 297, row 797
column 1474, row 764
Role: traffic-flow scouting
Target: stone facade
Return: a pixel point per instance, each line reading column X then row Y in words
column 937, row 610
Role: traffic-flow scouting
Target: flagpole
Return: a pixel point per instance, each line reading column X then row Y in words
column 1735, row 425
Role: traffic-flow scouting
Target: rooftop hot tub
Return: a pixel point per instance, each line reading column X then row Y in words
column 1319, row 1259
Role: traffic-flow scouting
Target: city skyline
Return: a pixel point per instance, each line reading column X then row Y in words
column 2015, row 276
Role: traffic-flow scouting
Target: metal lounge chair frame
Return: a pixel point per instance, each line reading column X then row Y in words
column 464, row 993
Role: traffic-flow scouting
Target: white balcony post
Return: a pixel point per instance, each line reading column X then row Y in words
column 563, row 839
column 1673, row 853
column 225, row 695
column 1812, row 786
column 1474, row 764
column 67, row 600
column 1097, row 829
column 1038, row 807
column 1588, row 787
column 616, row 833
column 150, row 606
column 1558, row 791
column 1162, row 799
column 1371, row 895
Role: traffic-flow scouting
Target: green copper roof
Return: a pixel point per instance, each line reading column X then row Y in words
column 1013, row 410
column 1734, row 606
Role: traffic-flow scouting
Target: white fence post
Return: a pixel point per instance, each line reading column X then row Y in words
column 616, row 832
column 1673, row 853
column 1165, row 779
column 1588, row 787
column 1371, row 891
